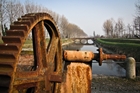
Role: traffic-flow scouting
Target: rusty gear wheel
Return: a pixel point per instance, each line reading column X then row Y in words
column 46, row 74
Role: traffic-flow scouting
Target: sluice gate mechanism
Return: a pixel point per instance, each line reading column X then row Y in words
column 47, row 72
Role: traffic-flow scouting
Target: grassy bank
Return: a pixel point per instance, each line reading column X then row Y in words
column 129, row 47
column 1, row 41
column 28, row 43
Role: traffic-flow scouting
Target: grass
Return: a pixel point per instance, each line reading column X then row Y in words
column 123, row 40
column 28, row 42
column 128, row 47
column 120, row 42
column 65, row 40
column 1, row 41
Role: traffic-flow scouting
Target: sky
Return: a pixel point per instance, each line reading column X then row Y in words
column 90, row 15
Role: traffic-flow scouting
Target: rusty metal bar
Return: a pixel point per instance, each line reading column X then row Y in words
column 79, row 74
column 88, row 56
column 78, row 56
column 54, row 77
column 48, row 64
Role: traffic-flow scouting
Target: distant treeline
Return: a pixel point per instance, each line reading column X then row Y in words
column 10, row 10
column 117, row 29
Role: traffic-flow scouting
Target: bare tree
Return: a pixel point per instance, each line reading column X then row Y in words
column 108, row 27
column 3, row 15
column 14, row 10
column 44, row 9
column 138, row 8
column 114, row 29
column 116, row 33
column 120, row 27
column 130, row 32
column 58, row 19
column 30, row 7
column 10, row 10
column 137, row 24
column 63, row 26
column 75, row 31
column 137, row 18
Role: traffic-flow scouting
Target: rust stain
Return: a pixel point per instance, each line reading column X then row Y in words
column 78, row 56
column 78, row 79
column 44, row 68
column 24, row 72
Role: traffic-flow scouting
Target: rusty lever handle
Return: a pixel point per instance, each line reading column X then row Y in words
column 88, row 56
column 108, row 56
column 103, row 56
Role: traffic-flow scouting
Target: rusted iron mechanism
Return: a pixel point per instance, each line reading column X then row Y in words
column 45, row 74
column 88, row 56
column 79, row 69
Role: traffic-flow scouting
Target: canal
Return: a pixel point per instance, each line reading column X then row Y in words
column 108, row 68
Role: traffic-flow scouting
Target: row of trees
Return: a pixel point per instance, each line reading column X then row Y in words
column 10, row 10
column 116, row 29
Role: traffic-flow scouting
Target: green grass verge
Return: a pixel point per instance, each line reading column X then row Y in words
column 128, row 47
column 65, row 40
column 120, row 42
column 1, row 41
column 28, row 42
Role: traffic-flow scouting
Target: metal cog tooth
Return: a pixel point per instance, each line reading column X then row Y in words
column 11, row 79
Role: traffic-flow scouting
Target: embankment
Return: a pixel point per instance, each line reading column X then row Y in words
column 129, row 47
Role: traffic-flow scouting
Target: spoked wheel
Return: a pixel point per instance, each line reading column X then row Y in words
column 46, row 71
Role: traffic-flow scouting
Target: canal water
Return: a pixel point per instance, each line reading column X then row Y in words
column 110, row 68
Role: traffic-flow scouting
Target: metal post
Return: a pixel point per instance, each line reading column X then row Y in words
column 130, row 68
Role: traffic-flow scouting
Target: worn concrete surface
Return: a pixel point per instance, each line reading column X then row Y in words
column 113, row 84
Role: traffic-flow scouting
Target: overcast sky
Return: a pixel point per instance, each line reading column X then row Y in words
column 90, row 15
